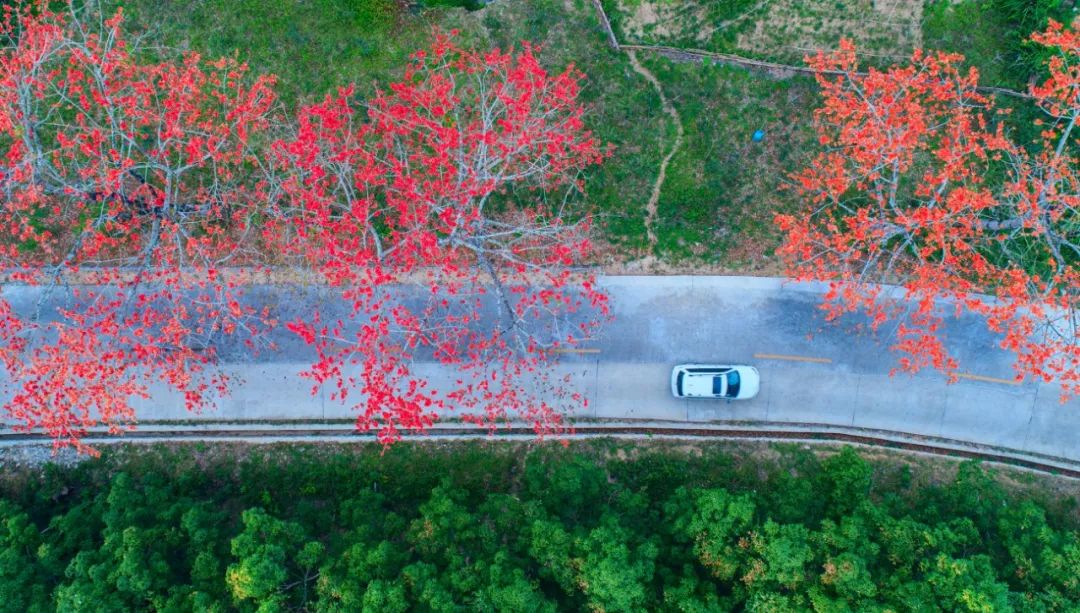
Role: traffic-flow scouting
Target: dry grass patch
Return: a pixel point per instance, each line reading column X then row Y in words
column 890, row 29
column 647, row 20
column 783, row 30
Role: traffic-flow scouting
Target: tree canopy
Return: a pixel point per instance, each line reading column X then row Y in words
column 467, row 527
column 144, row 193
column 919, row 183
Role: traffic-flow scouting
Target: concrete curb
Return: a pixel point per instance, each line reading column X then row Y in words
column 311, row 431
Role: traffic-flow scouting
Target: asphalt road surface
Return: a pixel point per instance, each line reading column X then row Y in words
column 813, row 372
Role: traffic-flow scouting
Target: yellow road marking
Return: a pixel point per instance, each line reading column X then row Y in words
column 575, row 351
column 987, row 379
column 796, row 358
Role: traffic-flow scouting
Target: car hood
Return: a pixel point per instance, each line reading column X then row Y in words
column 750, row 382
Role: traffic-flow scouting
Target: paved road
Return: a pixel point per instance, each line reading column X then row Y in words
column 812, row 372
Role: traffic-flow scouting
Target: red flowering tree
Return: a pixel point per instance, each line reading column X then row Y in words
column 920, row 186
column 441, row 211
column 125, row 185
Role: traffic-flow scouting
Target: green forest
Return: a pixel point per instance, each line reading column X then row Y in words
column 602, row 526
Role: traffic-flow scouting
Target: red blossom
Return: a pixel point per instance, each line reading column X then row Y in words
column 407, row 193
column 900, row 195
column 126, row 185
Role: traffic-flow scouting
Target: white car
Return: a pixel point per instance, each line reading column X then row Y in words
column 732, row 382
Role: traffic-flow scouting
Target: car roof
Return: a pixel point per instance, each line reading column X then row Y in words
column 701, row 384
column 704, row 368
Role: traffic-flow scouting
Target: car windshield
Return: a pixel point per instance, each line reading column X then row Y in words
column 732, row 383
column 718, row 386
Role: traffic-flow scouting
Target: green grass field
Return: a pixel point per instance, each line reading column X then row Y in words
column 313, row 46
column 722, row 189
